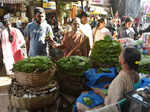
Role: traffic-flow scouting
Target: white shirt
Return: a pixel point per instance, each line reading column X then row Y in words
column 99, row 34
column 86, row 29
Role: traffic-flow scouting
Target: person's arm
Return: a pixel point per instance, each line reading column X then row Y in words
column 116, row 90
column 99, row 92
column 27, row 44
column 64, row 41
column 27, row 38
column 50, row 36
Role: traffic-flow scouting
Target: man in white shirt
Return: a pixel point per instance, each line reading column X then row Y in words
column 86, row 28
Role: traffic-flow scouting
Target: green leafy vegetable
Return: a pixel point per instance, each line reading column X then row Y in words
column 36, row 64
column 87, row 100
column 74, row 64
column 144, row 66
column 105, row 53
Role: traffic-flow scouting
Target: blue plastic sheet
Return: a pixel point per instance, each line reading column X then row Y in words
column 145, row 82
column 92, row 78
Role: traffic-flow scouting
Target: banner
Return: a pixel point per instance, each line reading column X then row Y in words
column 49, row 4
column 99, row 2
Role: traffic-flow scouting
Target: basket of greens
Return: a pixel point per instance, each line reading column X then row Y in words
column 70, row 73
column 105, row 53
column 34, row 71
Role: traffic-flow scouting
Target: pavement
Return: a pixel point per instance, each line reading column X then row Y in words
column 4, row 99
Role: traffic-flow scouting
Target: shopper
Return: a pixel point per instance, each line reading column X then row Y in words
column 101, row 31
column 126, row 30
column 86, row 28
column 73, row 39
column 38, row 34
column 12, row 42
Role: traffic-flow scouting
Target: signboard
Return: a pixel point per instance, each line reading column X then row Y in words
column 99, row 2
column 49, row 4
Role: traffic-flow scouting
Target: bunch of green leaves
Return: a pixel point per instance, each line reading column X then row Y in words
column 105, row 53
column 36, row 64
column 144, row 66
column 74, row 64
column 87, row 100
column 103, row 70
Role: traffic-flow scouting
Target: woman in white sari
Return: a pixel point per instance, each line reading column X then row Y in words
column 11, row 41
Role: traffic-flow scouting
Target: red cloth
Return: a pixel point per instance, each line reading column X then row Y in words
column 17, row 54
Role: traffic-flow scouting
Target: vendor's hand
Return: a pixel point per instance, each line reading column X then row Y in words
column 96, row 90
column 55, row 45
column 115, row 35
column 47, row 38
column 106, row 86
column 99, row 92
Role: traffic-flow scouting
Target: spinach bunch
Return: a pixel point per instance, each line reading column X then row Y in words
column 144, row 66
column 74, row 64
column 36, row 64
column 105, row 53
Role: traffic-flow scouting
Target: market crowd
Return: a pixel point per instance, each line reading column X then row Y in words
column 75, row 37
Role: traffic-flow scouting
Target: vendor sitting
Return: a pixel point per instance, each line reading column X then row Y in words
column 123, row 83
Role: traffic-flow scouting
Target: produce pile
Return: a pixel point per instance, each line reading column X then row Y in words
column 105, row 53
column 74, row 64
column 36, row 64
column 145, row 65
column 87, row 100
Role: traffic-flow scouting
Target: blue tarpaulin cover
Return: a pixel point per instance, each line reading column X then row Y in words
column 92, row 76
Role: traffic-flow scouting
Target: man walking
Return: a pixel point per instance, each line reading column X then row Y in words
column 38, row 34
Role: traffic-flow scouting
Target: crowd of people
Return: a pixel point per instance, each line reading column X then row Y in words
column 77, row 38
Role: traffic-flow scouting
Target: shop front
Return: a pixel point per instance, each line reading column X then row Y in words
column 16, row 9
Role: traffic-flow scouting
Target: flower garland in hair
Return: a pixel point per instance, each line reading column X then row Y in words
column 137, row 62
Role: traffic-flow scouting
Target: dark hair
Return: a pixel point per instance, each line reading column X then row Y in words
column 39, row 10
column 83, row 14
column 100, row 21
column 6, row 23
column 131, row 55
column 128, row 19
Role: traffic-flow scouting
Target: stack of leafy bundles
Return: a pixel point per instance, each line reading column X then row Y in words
column 74, row 65
column 36, row 64
column 105, row 53
column 145, row 65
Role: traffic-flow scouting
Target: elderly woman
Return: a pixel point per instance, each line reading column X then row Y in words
column 123, row 83
column 74, row 38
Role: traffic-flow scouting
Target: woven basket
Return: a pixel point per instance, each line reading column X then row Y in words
column 33, row 103
column 38, row 102
column 72, row 85
column 35, row 79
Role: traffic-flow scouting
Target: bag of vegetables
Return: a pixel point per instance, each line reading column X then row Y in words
column 34, row 71
column 70, row 74
column 105, row 53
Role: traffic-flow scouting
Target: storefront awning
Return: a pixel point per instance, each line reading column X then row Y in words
column 12, row 1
